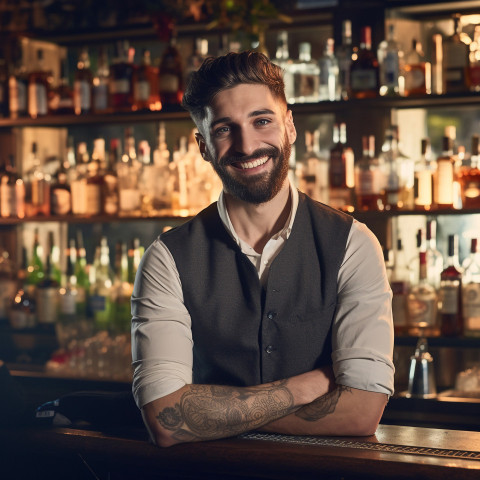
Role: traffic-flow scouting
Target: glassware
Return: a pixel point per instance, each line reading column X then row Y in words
column 170, row 73
column 120, row 82
column 455, row 60
column 145, row 84
column 283, row 60
column 39, row 84
column 389, row 55
column 469, row 177
column 329, row 87
column 434, row 257
column 424, row 171
column 417, row 72
column 400, row 284
column 100, row 83
column 444, row 176
column 12, row 191
column 306, row 76
column 83, row 84
column 343, row 53
column 471, row 291
column 37, row 187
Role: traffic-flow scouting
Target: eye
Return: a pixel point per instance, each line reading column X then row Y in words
column 221, row 131
column 261, row 122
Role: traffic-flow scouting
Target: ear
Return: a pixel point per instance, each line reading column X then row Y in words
column 290, row 127
column 201, row 145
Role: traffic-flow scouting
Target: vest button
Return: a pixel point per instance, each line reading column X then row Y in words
column 269, row 349
column 271, row 315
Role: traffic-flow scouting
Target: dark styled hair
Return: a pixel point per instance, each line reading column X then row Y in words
column 228, row 71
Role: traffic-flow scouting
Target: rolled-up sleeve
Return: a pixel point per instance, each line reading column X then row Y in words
column 362, row 335
column 161, row 328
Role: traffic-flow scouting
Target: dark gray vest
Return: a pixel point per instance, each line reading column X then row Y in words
column 244, row 334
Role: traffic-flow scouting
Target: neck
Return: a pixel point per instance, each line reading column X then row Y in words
column 256, row 224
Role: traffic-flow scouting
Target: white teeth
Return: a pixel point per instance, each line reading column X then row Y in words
column 255, row 163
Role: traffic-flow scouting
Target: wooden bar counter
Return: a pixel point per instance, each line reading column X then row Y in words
column 38, row 452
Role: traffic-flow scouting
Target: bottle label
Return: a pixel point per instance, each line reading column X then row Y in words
column 61, row 201
column 142, row 91
column 121, row 85
column 79, row 197
column 37, row 99
column 67, row 304
column 8, row 201
column 423, row 187
column 7, row 292
column 415, row 78
column 168, row 83
column 444, row 184
column 47, row 305
column 422, row 309
column 471, row 303
column 94, row 203
column 17, row 96
column 21, row 319
column 100, row 97
column 363, row 80
column 82, row 95
column 129, row 199
column 391, row 69
column 368, row 182
column 448, row 299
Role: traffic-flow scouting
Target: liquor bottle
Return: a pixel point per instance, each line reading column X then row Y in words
column 392, row 187
column 100, row 298
column 35, row 270
column 417, row 72
column 343, row 52
column 400, row 285
column 47, row 297
column 329, row 87
column 78, row 183
column 424, row 171
column 474, row 61
column 39, row 83
column 135, row 253
column 122, row 291
column 200, row 53
column 469, row 177
column 128, row 170
column 3, row 86
column 370, row 177
column 413, row 264
column 120, row 83
column 283, row 60
column 422, row 304
column 37, row 187
column 145, row 84
column 94, row 178
column 389, row 55
column 471, row 291
column 17, row 85
column 306, row 76
column 100, row 83
column 170, row 73
column 22, row 309
column 81, row 263
column 444, row 176
column 62, row 98
column 364, row 70
column 8, row 282
column 434, row 257
column 83, row 84
column 110, row 180
column 54, row 254
column 341, row 177
column 148, row 180
column 12, row 191
column 450, row 293
column 61, row 196
column 455, row 60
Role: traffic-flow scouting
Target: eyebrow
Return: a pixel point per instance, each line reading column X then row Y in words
column 255, row 113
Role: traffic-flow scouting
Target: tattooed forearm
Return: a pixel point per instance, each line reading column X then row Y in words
column 322, row 406
column 208, row 412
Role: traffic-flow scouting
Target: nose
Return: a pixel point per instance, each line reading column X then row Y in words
column 244, row 142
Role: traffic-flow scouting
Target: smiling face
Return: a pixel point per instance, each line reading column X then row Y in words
column 247, row 136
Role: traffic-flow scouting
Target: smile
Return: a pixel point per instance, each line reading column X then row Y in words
column 254, row 163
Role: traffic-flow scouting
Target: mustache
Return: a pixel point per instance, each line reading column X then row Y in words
column 261, row 152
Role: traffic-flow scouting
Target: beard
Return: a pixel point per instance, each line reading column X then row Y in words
column 260, row 188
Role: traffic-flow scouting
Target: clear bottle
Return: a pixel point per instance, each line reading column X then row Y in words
column 400, row 284
column 471, row 291
column 12, row 191
column 364, row 70
column 94, row 178
column 37, row 187
column 170, row 73
column 283, row 60
column 120, row 82
column 145, row 84
column 455, row 60
column 54, row 253
column 62, row 98
column 423, row 184
column 128, row 170
column 444, row 176
column 341, row 176
column 39, row 84
column 81, row 270
column 35, row 270
column 329, row 87
column 110, row 180
column 47, row 297
column 78, row 184
column 199, row 55
column 100, row 83
column 469, row 177
column 370, row 177
column 61, row 196
column 8, row 281
column 343, row 53
column 306, row 76
column 417, row 72
column 413, row 264
column 422, row 304
column 83, row 84
column 389, row 56
column 450, row 293
column 18, row 84
column 122, row 291
column 434, row 257
column 392, row 188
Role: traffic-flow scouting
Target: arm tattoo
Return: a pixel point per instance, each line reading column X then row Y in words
column 322, row 406
column 208, row 411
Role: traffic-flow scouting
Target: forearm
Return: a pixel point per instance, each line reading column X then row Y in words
column 207, row 412
column 343, row 411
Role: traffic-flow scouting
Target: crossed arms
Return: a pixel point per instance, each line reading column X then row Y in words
column 308, row 404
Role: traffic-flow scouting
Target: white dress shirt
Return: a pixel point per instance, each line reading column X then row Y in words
column 362, row 330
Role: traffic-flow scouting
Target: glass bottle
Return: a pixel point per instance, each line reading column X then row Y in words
column 22, row 309
column 283, row 60
column 3, row 86
column 170, row 73
column 78, row 184
column 39, row 82
column 61, row 196
column 391, row 198
column 444, row 176
column 417, row 72
column 422, row 304
column 18, row 85
column 12, row 191
column 83, row 84
column 120, row 82
column 329, row 87
column 450, row 293
column 469, row 177
column 455, row 60
column 110, row 180
column 47, row 297
column 413, row 264
column 128, row 170
column 35, row 270
column 200, row 53
column 341, row 178
column 81, row 271
column 364, row 70
column 370, row 177
column 145, row 84
column 62, row 101
column 100, row 83
column 306, row 76
column 94, row 178
column 54, row 253
column 389, row 55
column 343, row 52
column 423, row 184
column 471, row 291
column 37, row 187
column 122, row 291
column 8, row 282
column 434, row 257
column 400, row 284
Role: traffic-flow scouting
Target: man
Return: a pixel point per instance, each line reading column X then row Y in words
column 267, row 311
